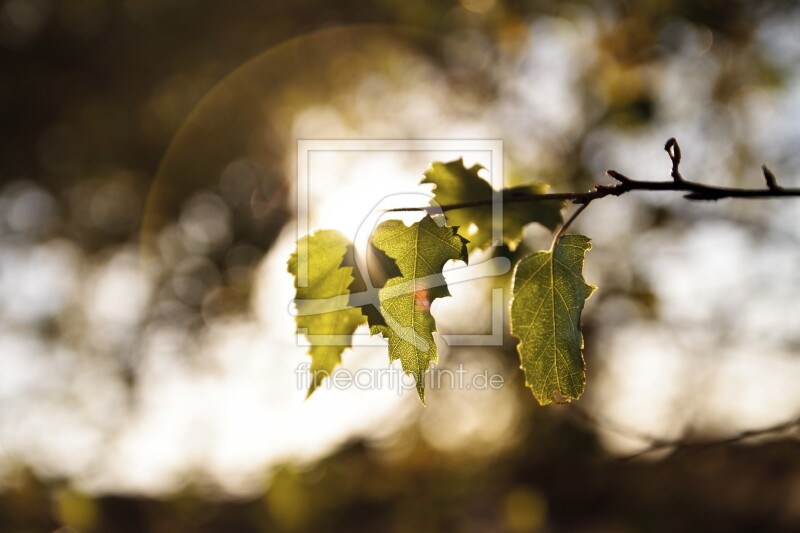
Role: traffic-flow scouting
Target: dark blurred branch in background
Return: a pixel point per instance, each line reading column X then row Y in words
column 655, row 444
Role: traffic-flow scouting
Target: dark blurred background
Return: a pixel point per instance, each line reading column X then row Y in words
column 147, row 208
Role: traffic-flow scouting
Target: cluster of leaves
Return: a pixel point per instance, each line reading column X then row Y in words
column 401, row 276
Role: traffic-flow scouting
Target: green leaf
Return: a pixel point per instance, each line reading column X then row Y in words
column 420, row 251
column 364, row 292
column 322, row 305
column 548, row 292
column 455, row 184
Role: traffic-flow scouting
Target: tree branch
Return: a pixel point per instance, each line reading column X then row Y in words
column 693, row 190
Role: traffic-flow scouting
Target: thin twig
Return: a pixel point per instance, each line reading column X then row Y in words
column 674, row 152
column 772, row 181
column 693, row 190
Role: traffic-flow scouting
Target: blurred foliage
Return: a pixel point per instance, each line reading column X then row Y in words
column 559, row 483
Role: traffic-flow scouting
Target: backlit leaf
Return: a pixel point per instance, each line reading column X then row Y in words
column 324, row 314
column 420, row 252
column 364, row 290
column 455, row 184
column 548, row 294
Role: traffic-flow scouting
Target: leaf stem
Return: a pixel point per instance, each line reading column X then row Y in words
column 566, row 224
